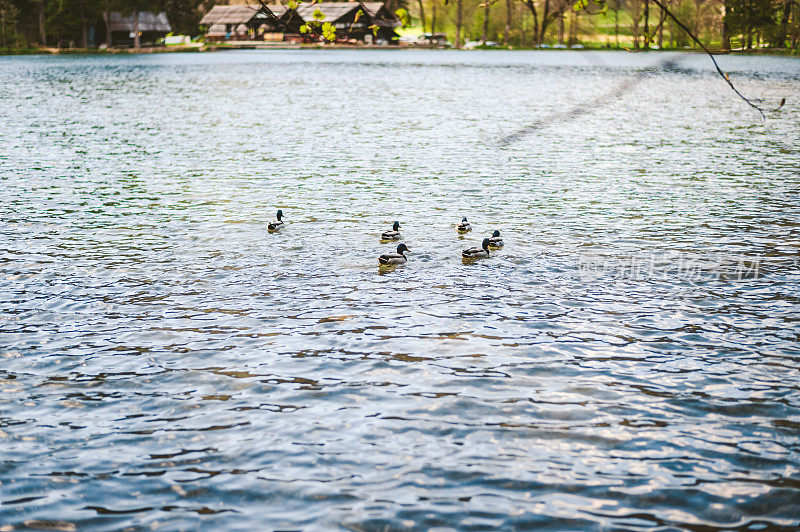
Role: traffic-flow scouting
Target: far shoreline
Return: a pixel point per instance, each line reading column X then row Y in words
column 288, row 46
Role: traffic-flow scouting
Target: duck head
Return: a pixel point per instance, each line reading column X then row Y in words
column 401, row 248
column 279, row 215
column 485, row 244
column 495, row 234
column 396, row 226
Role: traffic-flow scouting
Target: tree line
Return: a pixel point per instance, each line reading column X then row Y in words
column 635, row 24
column 65, row 23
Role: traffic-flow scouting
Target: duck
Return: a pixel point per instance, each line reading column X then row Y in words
column 464, row 226
column 393, row 259
column 495, row 241
column 477, row 253
column 394, row 234
column 276, row 225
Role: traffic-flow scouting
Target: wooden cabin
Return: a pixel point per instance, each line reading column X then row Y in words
column 290, row 21
column 350, row 20
column 152, row 28
column 240, row 22
column 385, row 20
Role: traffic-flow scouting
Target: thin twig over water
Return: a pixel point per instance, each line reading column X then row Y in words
column 625, row 85
column 721, row 73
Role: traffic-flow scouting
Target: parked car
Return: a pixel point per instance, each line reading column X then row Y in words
column 434, row 39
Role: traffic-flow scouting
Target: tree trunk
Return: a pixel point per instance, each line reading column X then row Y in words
column 433, row 17
column 84, row 37
column 635, row 12
column 507, row 30
column 459, row 22
column 646, row 24
column 616, row 23
column 671, row 33
column 561, row 29
column 661, row 21
column 573, row 30
column 136, row 42
column 42, row 33
column 532, row 7
column 3, row 40
column 108, row 28
column 787, row 8
column 698, row 5
column 486, row 7
column 726, row 30
column 545, row 23
column 422, row 14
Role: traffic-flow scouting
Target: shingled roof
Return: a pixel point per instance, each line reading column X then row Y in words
column 147, row 22
column 373, row 7
column 333, row 11
column 385, row 19
column 240, row 14
column 278, row 9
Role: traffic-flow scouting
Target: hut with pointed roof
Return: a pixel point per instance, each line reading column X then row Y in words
column 290, row 20
column 385, row 20
column 349, row 19
column 240, row 22
column 152, row 27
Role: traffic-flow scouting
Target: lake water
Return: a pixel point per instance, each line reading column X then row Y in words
column 629, row 360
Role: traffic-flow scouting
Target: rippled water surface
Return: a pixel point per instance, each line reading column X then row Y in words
column 629, row 360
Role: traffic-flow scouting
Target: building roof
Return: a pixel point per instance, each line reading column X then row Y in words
column 373, row 7
column 333, row 11
column 241, row 14
column 147, row 22
column 278, row 9
column 381, row 16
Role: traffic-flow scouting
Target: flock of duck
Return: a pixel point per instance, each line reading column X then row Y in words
column 398, row 258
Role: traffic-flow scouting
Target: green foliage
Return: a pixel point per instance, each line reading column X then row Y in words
column 404, row 16
column 8, row 22
column 328, row 32
column 756, row 21
column 318, row 27
column 746, row 16
column 184, row 17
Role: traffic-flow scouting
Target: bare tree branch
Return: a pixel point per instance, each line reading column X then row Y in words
column 721, row 73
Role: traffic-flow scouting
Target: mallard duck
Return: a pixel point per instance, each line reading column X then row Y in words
column 495, row 241
column 393, row 259
column 276, row 225
column 464, row 226
column 477, row 253
column 394, row 234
